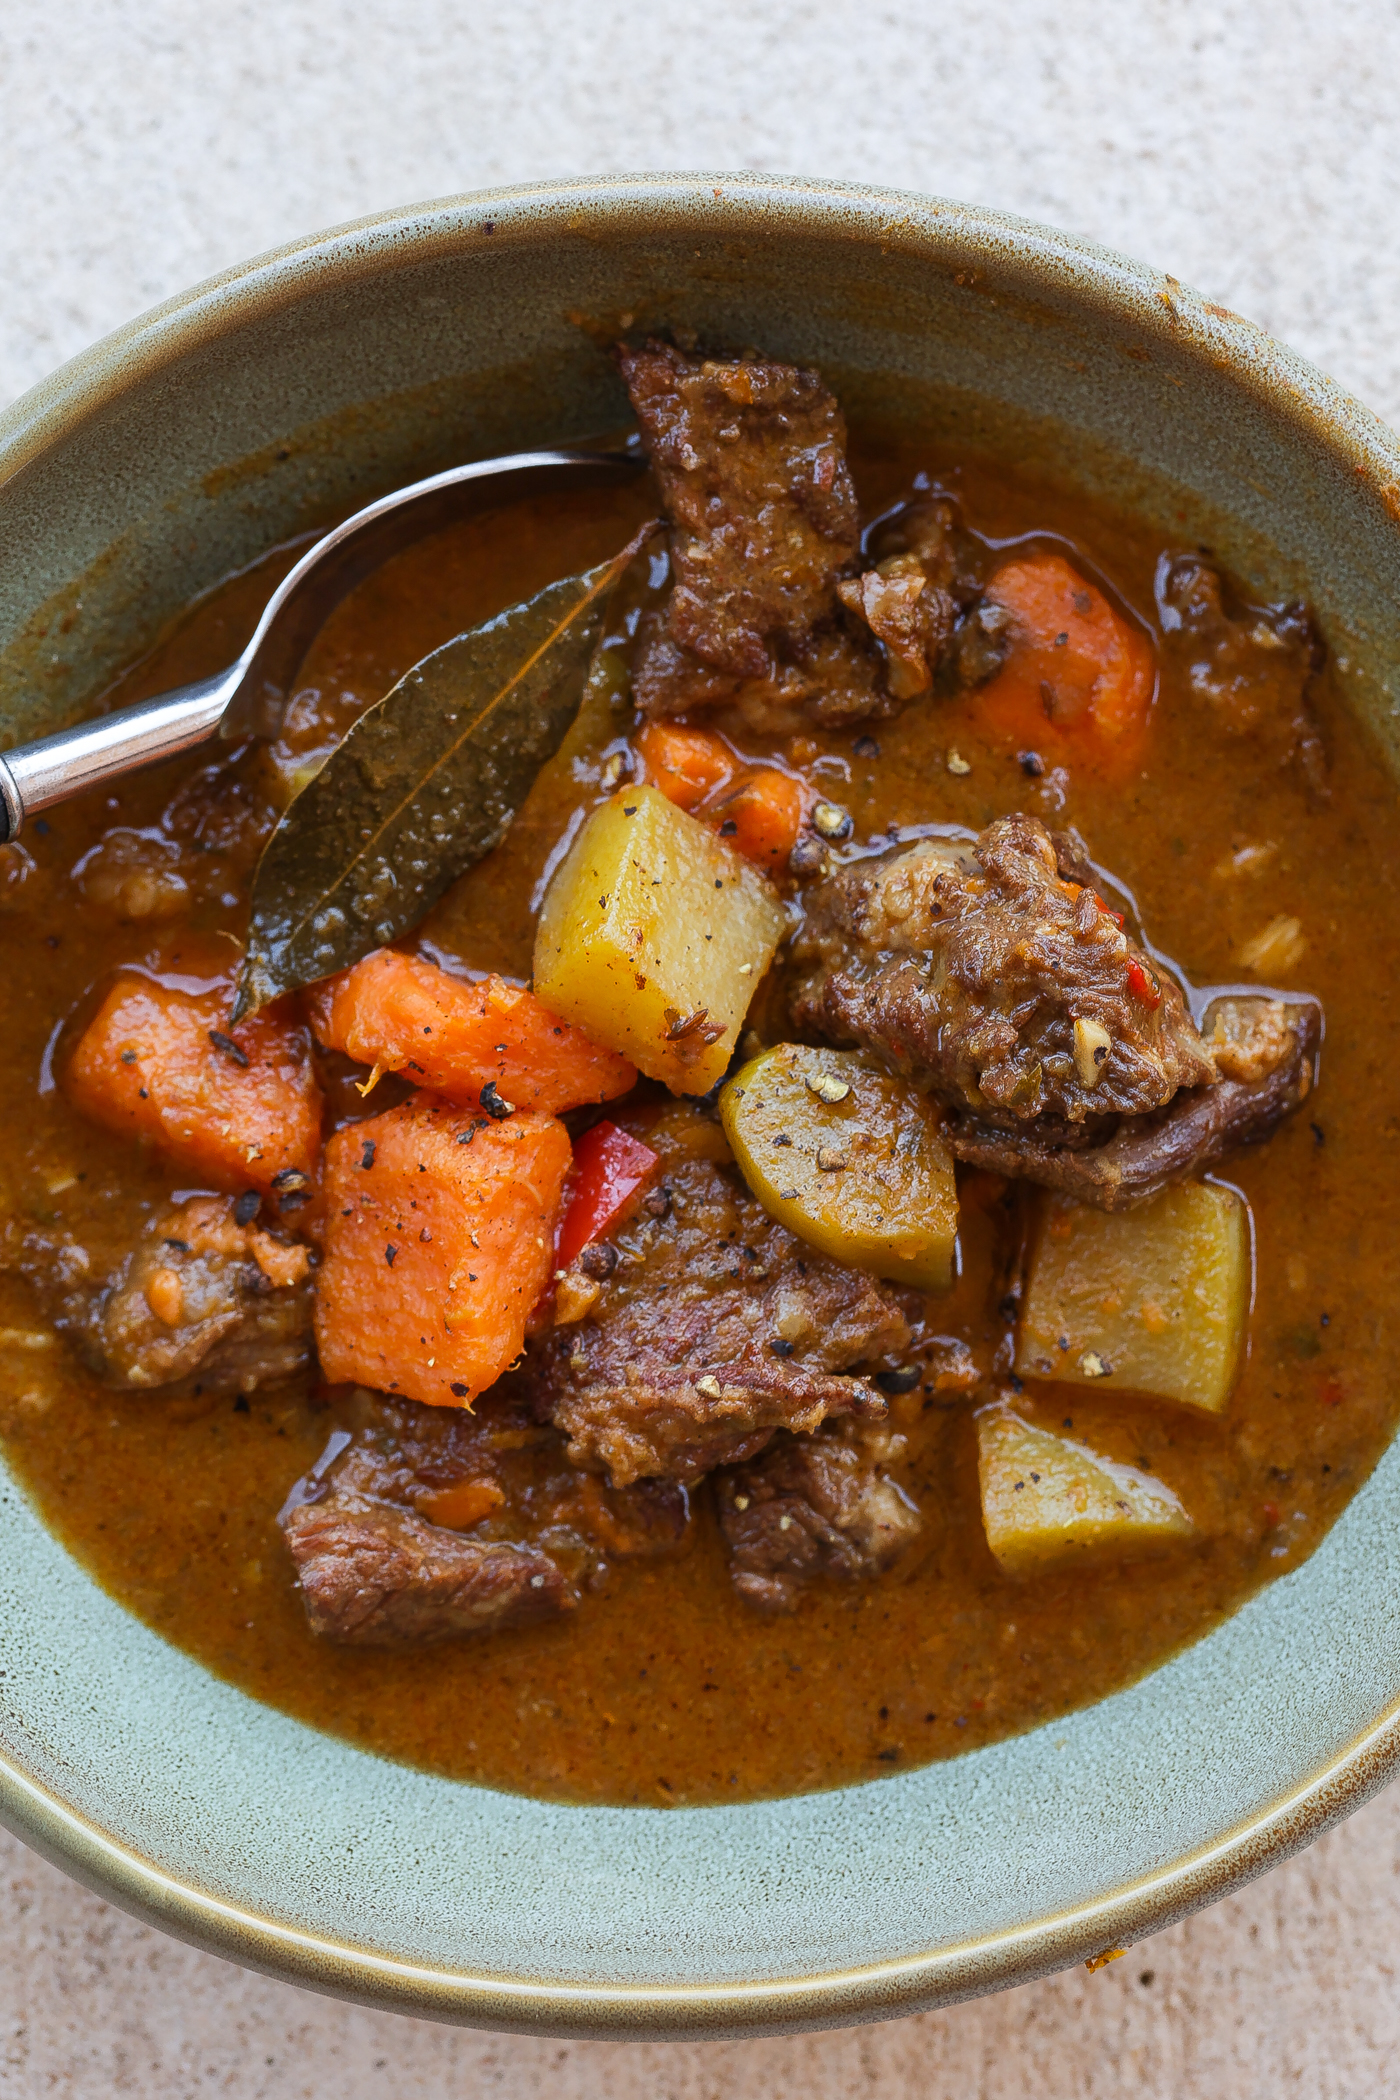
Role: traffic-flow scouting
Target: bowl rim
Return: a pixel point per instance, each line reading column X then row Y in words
column 722, row 203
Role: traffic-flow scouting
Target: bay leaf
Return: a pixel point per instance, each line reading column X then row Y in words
column 427, row 781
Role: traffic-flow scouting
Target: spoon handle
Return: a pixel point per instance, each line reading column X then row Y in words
column 38, row 775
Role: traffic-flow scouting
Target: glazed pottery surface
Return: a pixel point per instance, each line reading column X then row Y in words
column 290, row 391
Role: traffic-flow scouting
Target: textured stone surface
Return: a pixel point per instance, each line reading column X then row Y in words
column 1247, row 147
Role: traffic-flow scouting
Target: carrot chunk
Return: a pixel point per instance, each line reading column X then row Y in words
column 455, row 1038
column 237, row 1107
column 439, row 1243
column 765, row 811
column 1079, row 679
column 463, row 1504
column 686, row 764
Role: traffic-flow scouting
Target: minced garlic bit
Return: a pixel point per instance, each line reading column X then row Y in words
column 26, row 1338
column 830, row 1161
column 741, row 1501
column 710, row 1386
column 1093, row 1365
column 1276, row 949
column 956, row 763
column 826, row 1087
column 1092, row 1043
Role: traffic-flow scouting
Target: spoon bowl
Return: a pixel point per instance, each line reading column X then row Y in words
column 248, row 698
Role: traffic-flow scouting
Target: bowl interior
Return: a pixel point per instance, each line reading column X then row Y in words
column 300, row 386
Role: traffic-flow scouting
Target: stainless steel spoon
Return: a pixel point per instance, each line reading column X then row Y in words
column 248, row 698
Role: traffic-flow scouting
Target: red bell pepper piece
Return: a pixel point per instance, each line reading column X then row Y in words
column 1143, row 985
column 610, row 1165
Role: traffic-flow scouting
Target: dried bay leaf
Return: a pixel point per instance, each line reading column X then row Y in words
column 426, row 782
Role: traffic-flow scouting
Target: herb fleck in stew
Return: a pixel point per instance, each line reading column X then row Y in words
column 836, row 1241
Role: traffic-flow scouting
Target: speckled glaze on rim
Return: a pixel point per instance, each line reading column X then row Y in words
column 280, row 393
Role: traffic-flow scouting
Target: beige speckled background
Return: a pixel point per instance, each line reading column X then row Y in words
column 1250, row 147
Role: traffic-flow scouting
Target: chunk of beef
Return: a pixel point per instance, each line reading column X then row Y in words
column 377, row 1576
column 422, row 1523
column 1248, row 664
column 1009, row 988
column 767, row 613
column 1264, row 1048
column 810, row 1507
column 751, row 459
column 715, row 1328
column 200, row 1297
column 923, row 605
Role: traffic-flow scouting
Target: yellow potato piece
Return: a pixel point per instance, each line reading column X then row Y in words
column 1046, row 1499
column 1151, row 1301
column 865, row 1176
column 654, row 936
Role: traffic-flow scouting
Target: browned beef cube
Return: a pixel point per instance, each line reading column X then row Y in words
column 1013, row 990
column 418, row 1524
column 1248, row 664
column 377, row 1576
column 751, row 460
column 200, row 1299
column 813, row 1506
column 715, row 1328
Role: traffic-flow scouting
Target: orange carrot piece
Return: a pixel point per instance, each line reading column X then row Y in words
column 236, row 1107
column 453, row 1037
column 439, row 1243
column 766, row 812
column 1078, row 679
column 463, row 1504
column 685, row 764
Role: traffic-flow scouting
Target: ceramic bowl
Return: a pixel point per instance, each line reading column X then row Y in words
column 302, row 384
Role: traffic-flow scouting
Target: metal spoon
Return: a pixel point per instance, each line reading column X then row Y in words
column 248, row 698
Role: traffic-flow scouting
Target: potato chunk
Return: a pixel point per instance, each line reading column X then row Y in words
column 848, row 1157
column 653, row 938
column 1152, row 1300
column 1046, row 1499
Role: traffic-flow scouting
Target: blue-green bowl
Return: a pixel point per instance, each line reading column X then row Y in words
column 298, row 386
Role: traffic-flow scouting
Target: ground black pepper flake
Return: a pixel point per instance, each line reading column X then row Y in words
column 459, row 1390
column 778, row 1347
column 291, row 1178
column 493, row 1104
column 128, row 1057
column 367, row 1153
column 229, row 1047
column 389, row 1253
column 247, row 1207
column 294, row 1199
